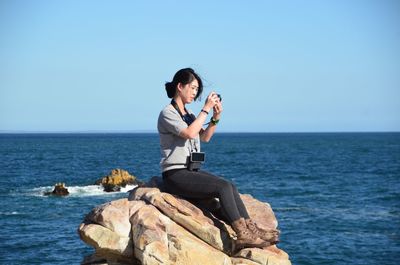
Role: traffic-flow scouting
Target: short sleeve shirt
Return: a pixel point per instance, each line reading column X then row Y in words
column 175, row 150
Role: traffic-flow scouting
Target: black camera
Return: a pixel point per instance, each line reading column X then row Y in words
column 195, row 160
column 219, row 96
column 197, row 157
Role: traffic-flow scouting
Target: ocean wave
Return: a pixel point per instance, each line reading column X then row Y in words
column 81, row 191
column 9, row 213
column 290, row 209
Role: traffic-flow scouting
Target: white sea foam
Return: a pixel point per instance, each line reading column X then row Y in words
column 81, row 191
column 9, row 213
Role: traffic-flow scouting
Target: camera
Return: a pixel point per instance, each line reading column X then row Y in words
column 195, row 160
column 219, row 96
column 197, row 157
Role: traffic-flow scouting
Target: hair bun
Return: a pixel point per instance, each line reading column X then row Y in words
column 170, row 87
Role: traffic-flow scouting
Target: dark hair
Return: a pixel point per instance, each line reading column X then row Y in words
column 183, row 76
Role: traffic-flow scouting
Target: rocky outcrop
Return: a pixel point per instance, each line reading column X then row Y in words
column 116, row 179
column 154, row 227
column 59, row 190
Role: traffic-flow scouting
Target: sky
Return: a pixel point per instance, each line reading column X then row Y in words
column 280, row 66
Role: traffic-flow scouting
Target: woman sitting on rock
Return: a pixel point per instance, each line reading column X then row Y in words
column 180, row 133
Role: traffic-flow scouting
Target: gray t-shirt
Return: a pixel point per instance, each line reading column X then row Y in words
column 175, row 150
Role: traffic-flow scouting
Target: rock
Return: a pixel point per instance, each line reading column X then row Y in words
column 160, row 240
column 116, row 179
column 98, row 260
column 106, row 242
column 113, row 215
column 268, row 255
column 154, row 227
column 186, row 215
column 261, row 212
column 59, row 190
column 111, row 187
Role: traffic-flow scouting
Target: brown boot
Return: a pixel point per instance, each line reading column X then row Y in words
column 245, row 239
column 271, row 235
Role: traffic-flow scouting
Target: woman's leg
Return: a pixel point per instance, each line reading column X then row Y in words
column 200, row 184
column 239, row 203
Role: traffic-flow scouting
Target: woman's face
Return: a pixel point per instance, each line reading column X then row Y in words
column 188, row 92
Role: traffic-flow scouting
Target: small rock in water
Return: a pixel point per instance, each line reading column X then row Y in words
column 116, row 179
column 59, row 190
column 111, row 187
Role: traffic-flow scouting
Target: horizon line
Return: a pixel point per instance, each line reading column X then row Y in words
column 155, row 132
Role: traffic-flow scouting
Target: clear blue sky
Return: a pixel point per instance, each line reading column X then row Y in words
column 281, row 66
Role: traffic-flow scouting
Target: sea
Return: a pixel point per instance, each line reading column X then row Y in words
column 336, row 196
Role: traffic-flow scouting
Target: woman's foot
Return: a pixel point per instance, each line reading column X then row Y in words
column 246, row 239
column 270, row 235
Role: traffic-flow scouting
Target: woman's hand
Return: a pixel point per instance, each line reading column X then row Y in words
column 206, row 134
column 211, row 101
column 217, row 110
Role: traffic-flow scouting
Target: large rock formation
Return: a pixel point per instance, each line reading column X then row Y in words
column 154, row 227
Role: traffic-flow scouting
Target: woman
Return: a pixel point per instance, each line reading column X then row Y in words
column 180, row 134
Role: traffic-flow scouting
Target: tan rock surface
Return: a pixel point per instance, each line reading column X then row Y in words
column 260, row 212
column 270, row 255
column 186, row 215
column 159, row 240
column 155, row 227
column 105, row 241
column 113, row 215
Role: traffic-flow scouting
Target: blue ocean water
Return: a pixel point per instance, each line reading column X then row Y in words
column 336, row 195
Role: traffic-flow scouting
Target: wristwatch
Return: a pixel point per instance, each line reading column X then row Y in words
column 214, row 121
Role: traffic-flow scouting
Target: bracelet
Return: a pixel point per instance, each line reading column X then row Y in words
column 206, row 112
column 214, row 121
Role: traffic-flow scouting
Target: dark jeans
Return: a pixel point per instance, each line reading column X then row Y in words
column 203, row 185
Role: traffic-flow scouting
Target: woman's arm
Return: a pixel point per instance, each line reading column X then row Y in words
column 194, row 129
column 205, row 135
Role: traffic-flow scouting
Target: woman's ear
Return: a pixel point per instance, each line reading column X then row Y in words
column 180, row 86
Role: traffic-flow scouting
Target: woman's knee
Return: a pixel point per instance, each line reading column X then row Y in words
column 234, row 187
column 226, row 186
